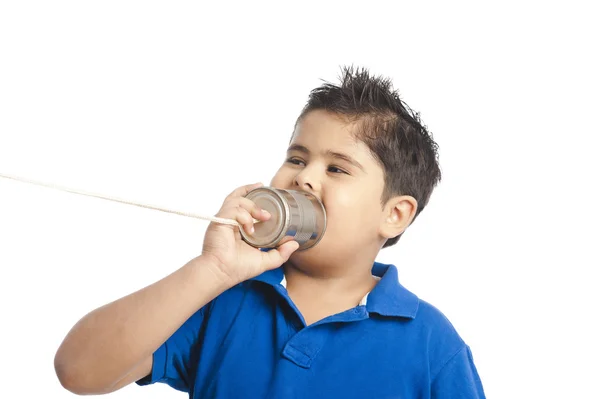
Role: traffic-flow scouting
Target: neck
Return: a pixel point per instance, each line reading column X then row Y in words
column 347, row 284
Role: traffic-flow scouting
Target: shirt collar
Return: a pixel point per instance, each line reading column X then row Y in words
column 388, row 298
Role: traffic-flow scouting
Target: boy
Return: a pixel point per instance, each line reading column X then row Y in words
column 327, row 322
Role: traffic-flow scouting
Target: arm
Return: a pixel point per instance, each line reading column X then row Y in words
column 113, row 345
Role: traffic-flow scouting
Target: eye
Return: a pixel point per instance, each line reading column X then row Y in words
column 295, row 161
column 333, row 169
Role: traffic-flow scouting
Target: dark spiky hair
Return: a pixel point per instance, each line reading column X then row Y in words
column 389, row 127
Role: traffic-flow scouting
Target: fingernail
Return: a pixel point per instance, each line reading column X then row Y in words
column 266, row 213
column 252, row 230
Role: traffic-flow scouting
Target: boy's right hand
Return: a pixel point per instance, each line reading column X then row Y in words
column 233, row 259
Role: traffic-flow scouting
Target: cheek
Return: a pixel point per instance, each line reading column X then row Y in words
column 348, row 205
column 343, row 212
column 280, row 179
column 353, row 213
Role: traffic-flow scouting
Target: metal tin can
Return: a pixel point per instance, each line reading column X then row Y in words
column 295, row 215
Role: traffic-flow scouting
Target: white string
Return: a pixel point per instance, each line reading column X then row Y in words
column 215, row 219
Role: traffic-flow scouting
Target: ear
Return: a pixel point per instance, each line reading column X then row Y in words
column 398, row 214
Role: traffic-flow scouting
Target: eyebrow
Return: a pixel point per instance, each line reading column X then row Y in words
column 332, row 154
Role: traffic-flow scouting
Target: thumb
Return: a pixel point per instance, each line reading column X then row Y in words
column 277, row 257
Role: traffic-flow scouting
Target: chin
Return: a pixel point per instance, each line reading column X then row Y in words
column 306, row 259
column 321, row 255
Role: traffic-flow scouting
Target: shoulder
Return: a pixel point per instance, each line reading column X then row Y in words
column 441, row 337
column 451, row 365
column 434, row 320
column 391, row 298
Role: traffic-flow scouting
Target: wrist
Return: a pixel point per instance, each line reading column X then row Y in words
column 211, row 268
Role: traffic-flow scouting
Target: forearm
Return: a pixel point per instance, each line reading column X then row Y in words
column 105, row 345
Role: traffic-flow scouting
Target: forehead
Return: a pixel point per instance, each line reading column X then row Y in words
column 322, row 130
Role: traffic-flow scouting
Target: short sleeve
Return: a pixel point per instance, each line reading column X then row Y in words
column 458, row 378
column 174, row 362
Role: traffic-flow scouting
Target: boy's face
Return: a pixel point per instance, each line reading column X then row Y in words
column 325, row 159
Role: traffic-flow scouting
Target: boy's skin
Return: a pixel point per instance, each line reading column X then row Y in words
column 336, row 274
column 113, row 346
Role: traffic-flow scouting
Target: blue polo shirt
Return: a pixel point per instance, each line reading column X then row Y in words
column 252, row 342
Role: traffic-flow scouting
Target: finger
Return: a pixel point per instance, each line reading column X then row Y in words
column 244, row 218
column 256, row 211
column 277, row 257
column 232, row 207
column 239, row 214
column 243, row 191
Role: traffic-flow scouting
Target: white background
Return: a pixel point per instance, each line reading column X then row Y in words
column 177, row 103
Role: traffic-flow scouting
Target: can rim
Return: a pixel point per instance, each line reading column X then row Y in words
column 285, row 219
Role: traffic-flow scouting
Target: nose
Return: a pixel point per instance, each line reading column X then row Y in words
column 306, row 181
